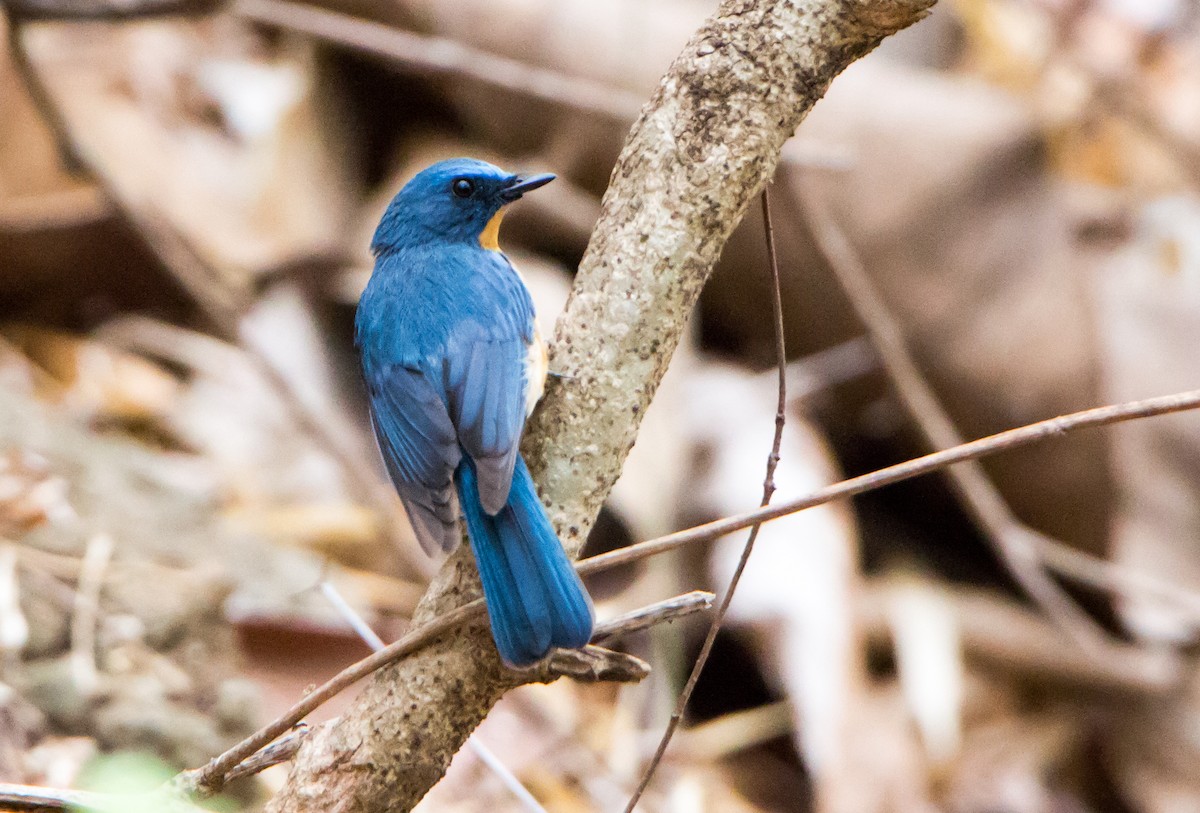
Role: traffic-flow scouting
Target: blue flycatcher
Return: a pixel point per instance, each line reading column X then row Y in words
column 454, row 364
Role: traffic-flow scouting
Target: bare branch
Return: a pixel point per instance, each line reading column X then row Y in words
column 998, row 632
column 213, row 776
column 87, row 611
column 1008, row 536
column 714, row 627
column 105, row 9
column 222, row 301
column 659, row 613
column 280, row 751
column 33, row 798
column 443, row 57
column 592, row 664
column 992, row 444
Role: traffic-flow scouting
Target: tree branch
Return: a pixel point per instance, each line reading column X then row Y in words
column 927, row 464
column 710, row 638
column 211, row 776
column 702, row 149
column 1011, row 539
column 242, row 757
column 33, row 798
column 222, row 301
column 439, row 56
column 106, row 9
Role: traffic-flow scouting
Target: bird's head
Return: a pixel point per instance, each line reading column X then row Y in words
column 460, row 201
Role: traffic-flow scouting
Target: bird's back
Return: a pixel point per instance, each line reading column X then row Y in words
column 452, row 364
column 426, row 302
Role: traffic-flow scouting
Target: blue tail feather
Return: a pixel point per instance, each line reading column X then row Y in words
column 535, row 599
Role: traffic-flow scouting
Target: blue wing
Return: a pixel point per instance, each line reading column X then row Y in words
column 486, row 372
column 450, row 376
column 486, row 384
column 420, row 449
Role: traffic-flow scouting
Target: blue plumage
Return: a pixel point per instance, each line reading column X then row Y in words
column 534, row 597
column 446, row 332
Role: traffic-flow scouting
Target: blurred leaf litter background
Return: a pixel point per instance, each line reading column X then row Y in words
column 186, row 202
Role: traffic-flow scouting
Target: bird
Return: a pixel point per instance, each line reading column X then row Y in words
column 454, row 364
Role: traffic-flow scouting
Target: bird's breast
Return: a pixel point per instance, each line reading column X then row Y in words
column 537, row 365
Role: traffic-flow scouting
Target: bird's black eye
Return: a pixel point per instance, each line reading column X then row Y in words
column 462, row 187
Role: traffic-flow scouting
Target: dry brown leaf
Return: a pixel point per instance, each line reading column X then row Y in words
column 343, row 531
column 233, row 122
column 30, row 493
column 94, row 379
column 929, row 660
column 797, row 592
column 1148, row 293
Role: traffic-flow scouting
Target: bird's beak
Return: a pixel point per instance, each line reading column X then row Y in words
column 524, row 183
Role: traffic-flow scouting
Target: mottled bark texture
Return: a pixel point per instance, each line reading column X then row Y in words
column 704, row 146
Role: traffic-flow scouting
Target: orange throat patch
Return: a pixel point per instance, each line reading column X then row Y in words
column 489, row 238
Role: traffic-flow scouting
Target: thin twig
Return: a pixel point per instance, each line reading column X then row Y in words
column 50, row 211
column 1069, row 562
column 1014, row 639
column 278, row 752
column 768, row 490
column 446, row 57
column 78, row 10
column 87, row 610
column 222, row 303
column 14, row 627
column 982, row 500
column 33, row 798
column 372, row 639
column 209, row 777
column 927, row 464
column 661, row 612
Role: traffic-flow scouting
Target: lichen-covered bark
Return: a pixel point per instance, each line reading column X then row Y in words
column 703, row 148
